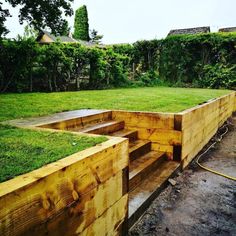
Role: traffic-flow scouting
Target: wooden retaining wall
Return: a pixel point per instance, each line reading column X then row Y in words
column 87, row 192
column 199, row 124
column 156, row 127
column 83, row 194
column 181, row 135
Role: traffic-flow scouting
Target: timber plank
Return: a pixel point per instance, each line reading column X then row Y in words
column 126, row 133
column 142, row 196
column 145, row 119
column 189, row 133
column 143, row 167
column 168, row 149
column 196, row 115
column 114, row 216
column 103, row 127
column 84, row 117
column 199, row 124
column 83, row 212
column 161, row 136
column 32, row 199
column 201, row 137
column 138, row 148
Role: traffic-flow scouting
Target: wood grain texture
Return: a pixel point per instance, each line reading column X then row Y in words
column 145, row 119
column 67, row 196
column 168, row 149
column 79, row 122
column 199, row 124
column 110, row 222
column 159, row 128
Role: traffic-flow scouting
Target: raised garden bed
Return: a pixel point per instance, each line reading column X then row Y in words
column 24, row 150
column 84, row 193
column 87, row 193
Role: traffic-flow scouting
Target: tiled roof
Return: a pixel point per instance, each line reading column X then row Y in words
column 197, row 30
column 63, row 39
column 229, row 29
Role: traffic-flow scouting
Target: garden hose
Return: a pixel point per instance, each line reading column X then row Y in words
column 209, row 169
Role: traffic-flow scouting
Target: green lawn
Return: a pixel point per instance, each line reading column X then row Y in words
column 24, row 150
column 159, row 99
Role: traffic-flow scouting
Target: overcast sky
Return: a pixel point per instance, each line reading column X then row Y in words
column 126, row 21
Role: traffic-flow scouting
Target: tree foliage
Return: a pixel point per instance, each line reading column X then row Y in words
column 40, row 14
column 81, row 25
column 95, row 37
column 4, row 13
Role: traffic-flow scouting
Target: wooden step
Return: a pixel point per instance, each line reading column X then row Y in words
column 138, row 148
column 125, row 133
column 142, row 167
column 141, row 197
column 104, row 127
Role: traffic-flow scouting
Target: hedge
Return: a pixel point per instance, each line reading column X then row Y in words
column 205, row 60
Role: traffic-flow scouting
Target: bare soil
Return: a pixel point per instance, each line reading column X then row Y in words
column 201, row 203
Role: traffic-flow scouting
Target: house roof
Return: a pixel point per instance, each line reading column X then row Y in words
column 63, row 39
column 197, row 30
column 228, row 29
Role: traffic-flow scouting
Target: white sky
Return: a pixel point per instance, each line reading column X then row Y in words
column 126, row 21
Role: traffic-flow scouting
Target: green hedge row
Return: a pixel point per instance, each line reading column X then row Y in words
column 207, row 60
column 27, row 66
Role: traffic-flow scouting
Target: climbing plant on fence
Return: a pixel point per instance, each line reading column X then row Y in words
column 207, row 60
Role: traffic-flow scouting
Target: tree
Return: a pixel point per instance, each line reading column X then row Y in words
column 81, row 25
column 95, row 37
column 3, row 14
column 40, row 14
column 29, row 32
column 65, row 31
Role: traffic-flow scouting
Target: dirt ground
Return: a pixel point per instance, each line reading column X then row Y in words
column 201, row 203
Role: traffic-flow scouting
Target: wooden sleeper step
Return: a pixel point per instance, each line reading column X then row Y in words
column 141, row 197
column 139, row 148
column 142, row 167
column 104, row 127
column 132, row 135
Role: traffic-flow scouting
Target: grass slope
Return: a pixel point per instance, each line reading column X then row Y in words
column 24, row 150
column 159, row 99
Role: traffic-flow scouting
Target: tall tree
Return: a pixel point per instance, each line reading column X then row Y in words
column 40, row 14
column 81, row 25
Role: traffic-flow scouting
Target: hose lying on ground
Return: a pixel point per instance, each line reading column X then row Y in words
column 202, row 154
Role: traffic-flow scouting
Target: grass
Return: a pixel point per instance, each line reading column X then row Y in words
column 158, row 99
column 24, row 150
